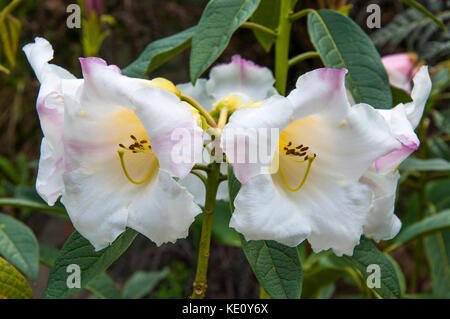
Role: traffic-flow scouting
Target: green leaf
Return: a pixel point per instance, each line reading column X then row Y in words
column 424, row 227
column 214, row 30
column 414, row 4
column 159, row 52
column 77, row 250
column 104, row 287
column 437, row 246
column 399, row 96
column 431, row 164
column 366, row 254
column 19, row 246
column 276, row 266
column 48, row 255
column 30, row 204
column 400, row 275
column 317, row 279
column 12, row 284
column 142, row 282
column 267, row 14
column 221, row 230
column 342, row 44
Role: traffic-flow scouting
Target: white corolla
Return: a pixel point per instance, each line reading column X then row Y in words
column 323, row 149
column 108, row 148
column 233, row 85
column 382, row 177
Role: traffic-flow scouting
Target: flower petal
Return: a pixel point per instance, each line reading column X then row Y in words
column 164, row 211
column 347, row 149
column 49, row 182
column 262, row 212
column 55, row 81
column 240, row 76
column 172, row 131
column 328, row 214
column 318, row 90
column 97, row 193
column 402, row 130
column 399, row 68
column 420, row 93
column 248, row 136
column 174, row 135
column 381, row 223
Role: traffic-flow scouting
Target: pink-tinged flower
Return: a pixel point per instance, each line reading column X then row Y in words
column 401, row 69
column 108, row 142
column 235, row 84
column 55, row 83
column 382, row 177
column 324, row 148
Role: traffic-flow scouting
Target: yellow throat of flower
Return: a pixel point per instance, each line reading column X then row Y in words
column 138, row 146
column 299, row 154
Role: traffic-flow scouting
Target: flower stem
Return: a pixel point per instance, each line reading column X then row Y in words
column 300, row 14
column 212, row 183
column 282, row 46
column 303, row 56
column 255, row 26
column 199, row 108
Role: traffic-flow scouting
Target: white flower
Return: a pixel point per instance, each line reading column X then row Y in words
column 107, row 148
column 383, row 177
column 240, row 83
column 324, row 148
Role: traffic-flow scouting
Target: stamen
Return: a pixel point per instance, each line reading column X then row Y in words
column 122, row 163
column 310, row 159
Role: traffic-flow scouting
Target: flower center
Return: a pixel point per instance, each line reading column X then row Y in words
column 138, row 146
column 298, row 154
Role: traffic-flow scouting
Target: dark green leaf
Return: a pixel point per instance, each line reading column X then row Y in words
column 77, row 250
column 104, row 287
column 47, row 255
column 159, row 52
column 314, row 281
column 366, row 254
column 267, row 14
column 276, row 266
column 342, row 44
column 19, row 246
column 142, row 282
column 214, row 30
column 399, row 96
